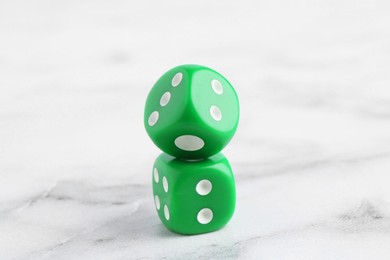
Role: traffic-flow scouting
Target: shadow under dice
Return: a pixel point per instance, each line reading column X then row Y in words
column 196, row 197
column 191, row 112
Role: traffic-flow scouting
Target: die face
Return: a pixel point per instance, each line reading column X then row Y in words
column 166, row 102
column 200, row 117
column 215, row 102
column 196, row 197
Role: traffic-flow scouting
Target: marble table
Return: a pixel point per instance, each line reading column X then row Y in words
column 311, row 156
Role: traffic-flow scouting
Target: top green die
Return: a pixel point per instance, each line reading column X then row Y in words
column 191, row 112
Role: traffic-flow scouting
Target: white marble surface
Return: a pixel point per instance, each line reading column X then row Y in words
column 311, row 157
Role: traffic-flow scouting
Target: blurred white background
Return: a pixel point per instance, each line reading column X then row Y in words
column 311, row 156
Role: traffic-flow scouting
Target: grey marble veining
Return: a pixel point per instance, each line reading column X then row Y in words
column 311, row 156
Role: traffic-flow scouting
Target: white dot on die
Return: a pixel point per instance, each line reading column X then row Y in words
column 155, row 174
column 205, row 216
column 166, row 212
column 165, row 99
column 165, row 184
column 217, row 86
column 215, row 113
column 177, row 79
column 204, row 187
column 153, row 118
column 189, row 143
column 157, row 202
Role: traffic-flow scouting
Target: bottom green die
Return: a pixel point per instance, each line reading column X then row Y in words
column 194, row 197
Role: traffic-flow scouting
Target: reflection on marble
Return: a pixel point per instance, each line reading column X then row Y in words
column 311, row 155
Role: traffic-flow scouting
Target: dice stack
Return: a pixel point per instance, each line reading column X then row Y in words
column 191, row 114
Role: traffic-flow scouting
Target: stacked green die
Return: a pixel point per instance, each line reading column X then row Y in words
column 191, row 114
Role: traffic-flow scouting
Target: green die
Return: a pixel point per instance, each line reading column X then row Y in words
column 193, row 197
column 191, row 112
